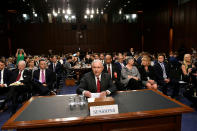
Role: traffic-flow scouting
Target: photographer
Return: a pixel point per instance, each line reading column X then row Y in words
column 20, row 54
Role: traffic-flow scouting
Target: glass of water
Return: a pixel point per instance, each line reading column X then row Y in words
column 71, row 101
column 81, row 100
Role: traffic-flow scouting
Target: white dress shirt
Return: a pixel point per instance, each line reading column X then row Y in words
column 21, row 78
column 1, row 81
column 110, row 69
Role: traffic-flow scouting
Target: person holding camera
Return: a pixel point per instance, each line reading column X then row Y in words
column 20, row 55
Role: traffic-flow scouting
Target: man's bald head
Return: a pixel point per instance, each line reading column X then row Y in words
column 108, row 59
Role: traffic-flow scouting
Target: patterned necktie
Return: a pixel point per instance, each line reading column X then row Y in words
column 98, row 85
column 164, row 71
column 43, row 77
column 19, row 76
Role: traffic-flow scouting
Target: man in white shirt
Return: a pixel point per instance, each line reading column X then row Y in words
column 96, row 82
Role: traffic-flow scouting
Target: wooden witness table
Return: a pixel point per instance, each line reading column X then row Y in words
column 143, row 110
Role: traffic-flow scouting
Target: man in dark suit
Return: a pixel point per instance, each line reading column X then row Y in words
column 22, row 76
column 112, row 70
column 120, row 63
column 4, row 82
column 4, row 77
column 96, row 81
column 43, row 79
column 131, row 52
column 163, row 77
column 56, row 67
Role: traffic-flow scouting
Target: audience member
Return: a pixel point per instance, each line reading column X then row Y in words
column 130, row 75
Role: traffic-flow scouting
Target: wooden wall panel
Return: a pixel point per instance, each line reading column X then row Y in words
column 39, row 38
column 185, row 25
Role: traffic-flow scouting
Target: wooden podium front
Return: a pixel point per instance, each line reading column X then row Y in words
column 144, row 110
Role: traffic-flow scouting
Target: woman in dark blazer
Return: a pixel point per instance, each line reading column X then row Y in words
column 147, row 74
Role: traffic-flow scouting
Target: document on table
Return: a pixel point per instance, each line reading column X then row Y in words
column 95, row 95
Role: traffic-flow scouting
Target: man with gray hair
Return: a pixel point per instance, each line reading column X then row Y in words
column 22, row 76
column 96, row 82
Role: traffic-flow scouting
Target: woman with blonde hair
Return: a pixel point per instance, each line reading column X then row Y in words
column 147, row 73
column 187, row 67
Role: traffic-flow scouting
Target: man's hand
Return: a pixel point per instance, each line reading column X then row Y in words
column 195, row 74
column 151, row 81
column 103, row 94
column 87, row 94
column 2, row 85
column 44, row 85
column 167, row 80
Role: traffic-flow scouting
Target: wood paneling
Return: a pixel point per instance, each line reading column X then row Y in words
column 39, row 38
column 185, row 25
column 154, row 24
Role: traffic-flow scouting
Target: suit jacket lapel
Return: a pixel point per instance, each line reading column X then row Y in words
column 92, row 78
column 46, row 75
column 102, row 82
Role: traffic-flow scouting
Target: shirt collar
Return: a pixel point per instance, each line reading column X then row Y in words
column 99, row 77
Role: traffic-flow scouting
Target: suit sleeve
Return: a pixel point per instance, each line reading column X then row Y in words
column 112, row 87
column 27, row 77
column 82, row 86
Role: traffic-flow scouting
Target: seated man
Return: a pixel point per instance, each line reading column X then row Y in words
column 163, row 76
column 4, row 77
column 22, row 76
column 4, row 81
column 112, row 70
column 43, row 79
column 96, row 81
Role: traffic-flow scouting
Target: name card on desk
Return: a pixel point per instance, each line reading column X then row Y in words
column 103, row 110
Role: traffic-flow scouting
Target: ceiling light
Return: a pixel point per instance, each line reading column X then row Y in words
column 25, row 15
column 120, row 11
column 125, row 5
column 73, row 17
column 97, row 11
column 68, row 11
column 66, row 17
column 87, row 11
column 109, row 1
column 91, row 16
column 134, row 16
column 35, row 15
column 54, row 13
column 128, row 1
column 85, row 16
column 92, row 11
column 58, row 11
column 106, row 4
column 127, row 17
column 101, row 11
column 63, row 11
